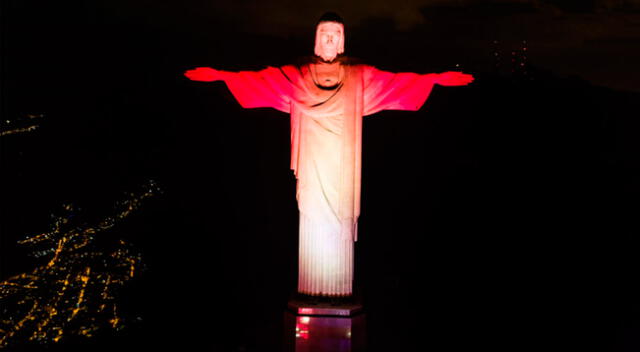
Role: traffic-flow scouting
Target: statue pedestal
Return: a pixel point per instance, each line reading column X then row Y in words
column 305, row 333
column 324, row 307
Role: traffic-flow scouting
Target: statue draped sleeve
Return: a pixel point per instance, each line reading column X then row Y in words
column 365, row 91
column 395, row 91
column 267, row 88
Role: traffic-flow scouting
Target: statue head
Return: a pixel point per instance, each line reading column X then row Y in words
column 329, row 36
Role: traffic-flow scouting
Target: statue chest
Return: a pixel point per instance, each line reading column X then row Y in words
column 327, row 75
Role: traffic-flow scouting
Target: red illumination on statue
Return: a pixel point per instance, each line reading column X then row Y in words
column 327, row 98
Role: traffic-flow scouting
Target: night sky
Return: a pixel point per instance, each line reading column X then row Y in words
column 500, row 215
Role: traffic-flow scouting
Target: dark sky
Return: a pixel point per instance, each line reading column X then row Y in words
column 595, row 39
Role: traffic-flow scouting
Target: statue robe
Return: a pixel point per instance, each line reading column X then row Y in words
column 326, row 149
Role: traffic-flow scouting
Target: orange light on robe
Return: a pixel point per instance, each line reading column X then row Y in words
column 326, row 144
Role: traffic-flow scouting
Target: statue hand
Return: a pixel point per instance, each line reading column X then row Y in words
column 454, row 78
column 204, row 74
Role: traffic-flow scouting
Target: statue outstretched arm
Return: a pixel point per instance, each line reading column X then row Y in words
column 453, row 78
column 203, row 74
column 252, row 89
column 385, row 90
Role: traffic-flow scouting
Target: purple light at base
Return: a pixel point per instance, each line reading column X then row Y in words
column 305, row 333
column 323, row 334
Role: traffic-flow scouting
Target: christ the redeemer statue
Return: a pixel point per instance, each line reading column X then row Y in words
column 327, row 98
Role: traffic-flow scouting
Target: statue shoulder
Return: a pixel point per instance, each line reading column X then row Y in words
column 352, row 61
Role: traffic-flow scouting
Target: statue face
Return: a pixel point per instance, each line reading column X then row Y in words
column 329, row 40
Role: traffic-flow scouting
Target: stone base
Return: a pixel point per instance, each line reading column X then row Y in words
column 312, row 307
